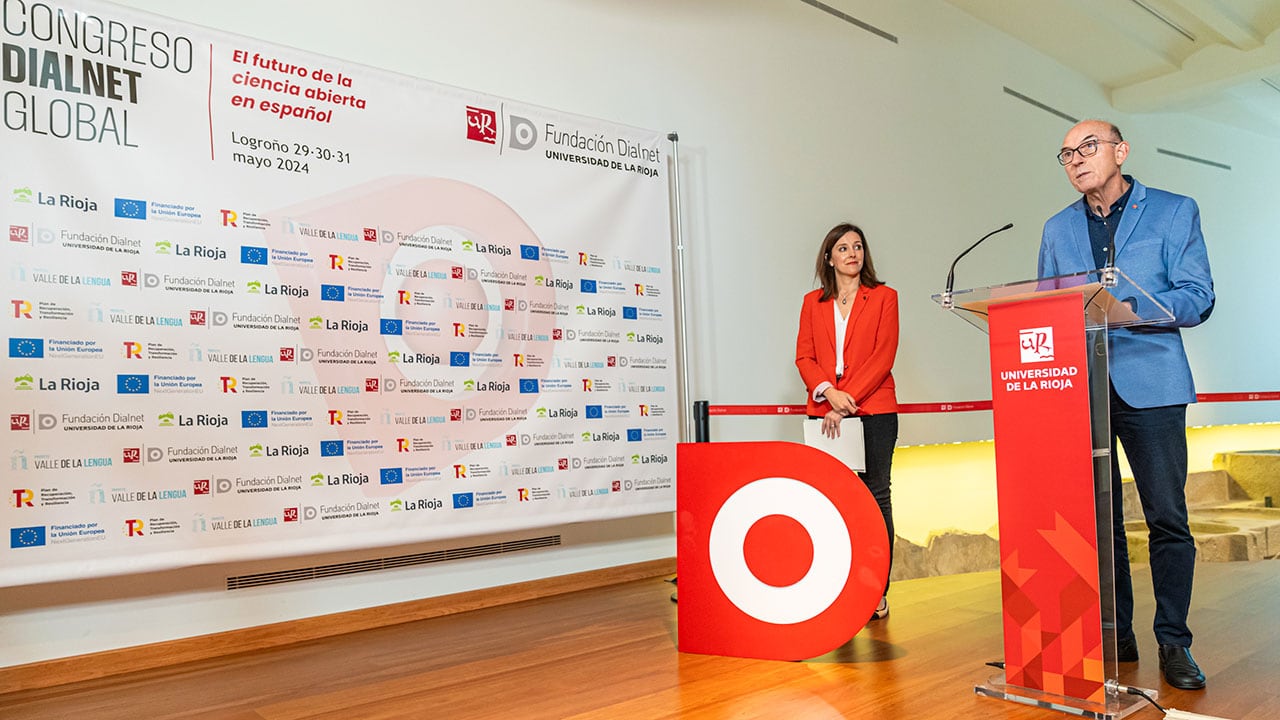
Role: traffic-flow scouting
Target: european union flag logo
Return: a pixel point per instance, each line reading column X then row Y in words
column 391, row 327
column 635, row 434
column 459, row 359
column 528, row 385
column 253, row 418
column 587, row 286
column 463, row 500
column 629, row 313
column 26, row 347
column 131, row 209
column 331, row 448
column 26, row 536
column 595, row 412
column 133, row 384
column 333, row 293
column 530, row 252
column 392, row 476
column 253, row 255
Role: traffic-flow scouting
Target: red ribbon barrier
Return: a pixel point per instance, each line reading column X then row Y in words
column 961, row 406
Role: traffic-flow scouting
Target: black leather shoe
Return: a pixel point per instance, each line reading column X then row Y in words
column 1127, row 648
column 1179, row 668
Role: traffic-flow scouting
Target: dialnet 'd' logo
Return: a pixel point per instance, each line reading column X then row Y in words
column 1036, row 344
column 524, row 134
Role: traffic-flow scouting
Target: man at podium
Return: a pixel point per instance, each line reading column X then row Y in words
column 1154, row 237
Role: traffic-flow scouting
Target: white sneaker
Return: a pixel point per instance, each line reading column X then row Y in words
column 882, row 610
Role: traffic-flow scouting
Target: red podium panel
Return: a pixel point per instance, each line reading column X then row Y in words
column 1044, row 473
column 782, row 553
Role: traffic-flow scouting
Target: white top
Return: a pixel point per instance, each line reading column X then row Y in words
column 842, row 324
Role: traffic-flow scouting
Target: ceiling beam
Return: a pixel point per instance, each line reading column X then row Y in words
column 1232, row 29
column 1207, row 72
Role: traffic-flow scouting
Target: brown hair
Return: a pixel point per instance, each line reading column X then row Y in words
column 827, row 274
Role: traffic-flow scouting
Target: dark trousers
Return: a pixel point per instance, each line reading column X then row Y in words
column 1155, row 441
column 880, row 436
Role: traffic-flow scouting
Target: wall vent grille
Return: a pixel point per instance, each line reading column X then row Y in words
column 1166, row 20
column 852, row 20
column 239, row 582
column 1036, row 103
column 1193, row 158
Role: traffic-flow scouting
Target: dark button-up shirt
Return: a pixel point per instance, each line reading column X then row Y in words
column 1102, row 230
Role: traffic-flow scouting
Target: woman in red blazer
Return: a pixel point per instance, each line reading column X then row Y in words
column 857, row 313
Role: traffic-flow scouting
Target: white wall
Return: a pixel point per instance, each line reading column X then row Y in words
column 790, row 120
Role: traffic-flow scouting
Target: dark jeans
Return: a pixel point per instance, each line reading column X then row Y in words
column 880, row 436
column 1155, row 441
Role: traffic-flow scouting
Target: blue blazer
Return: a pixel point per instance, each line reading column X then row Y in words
column 1160, row 247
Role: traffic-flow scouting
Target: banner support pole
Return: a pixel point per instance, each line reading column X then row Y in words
column 682, row 377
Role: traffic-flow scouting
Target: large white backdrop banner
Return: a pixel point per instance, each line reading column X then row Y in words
column 265, row 302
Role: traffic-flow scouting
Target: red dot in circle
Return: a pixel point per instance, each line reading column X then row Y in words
column 778, row 550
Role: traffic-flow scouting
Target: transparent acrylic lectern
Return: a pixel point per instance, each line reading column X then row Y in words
column 1107, row 299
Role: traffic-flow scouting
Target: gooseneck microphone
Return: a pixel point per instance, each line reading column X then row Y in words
column 1108, row 275
column 951, row 274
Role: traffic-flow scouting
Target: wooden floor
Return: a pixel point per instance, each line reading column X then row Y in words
column 610, row 653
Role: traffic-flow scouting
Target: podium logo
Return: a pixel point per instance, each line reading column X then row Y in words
column 1036, row 344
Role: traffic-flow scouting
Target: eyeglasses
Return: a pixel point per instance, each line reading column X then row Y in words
column 1088, row 148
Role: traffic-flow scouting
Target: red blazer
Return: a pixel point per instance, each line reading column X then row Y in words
column 870, row 344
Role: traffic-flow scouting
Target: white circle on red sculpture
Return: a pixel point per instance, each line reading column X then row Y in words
column 809, row 596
